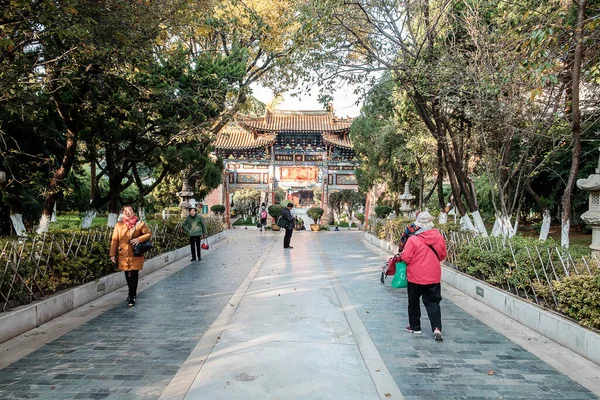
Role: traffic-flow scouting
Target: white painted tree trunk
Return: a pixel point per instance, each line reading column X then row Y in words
column 53, row 219
column 545, row 229
column 466, row 224
column 564, row 233
column 88, row 218
column 506, row 226
column 164, row 214
column 443, row 218
column 142, row 213
column 112, row 220
column 497, row 229
column 44, row 225
column 18, row 225
column 513, row 232
column 479, row 225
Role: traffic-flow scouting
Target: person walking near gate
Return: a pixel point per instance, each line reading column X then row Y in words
column 286, row 214
column 263, row 217
column 195, row 228
column 128, row 233
column 422, row 253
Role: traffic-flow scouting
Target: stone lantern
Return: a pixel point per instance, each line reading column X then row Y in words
column 406, row 201
column 185, row 195
column 592, row 216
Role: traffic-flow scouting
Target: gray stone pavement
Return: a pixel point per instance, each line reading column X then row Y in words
column 473, row 361
column 298, row 323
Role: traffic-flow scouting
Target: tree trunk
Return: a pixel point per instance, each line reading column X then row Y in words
column 545, row 229
column 88, row 218
column 59, row 176
column 443, row 218
column 113, row 203
column 575, row 124
column 18, row 225
column 479, row 225
column 54, row 217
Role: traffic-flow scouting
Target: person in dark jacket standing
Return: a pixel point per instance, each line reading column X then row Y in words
column 195, row 228
column 422, row 253
column 286, row 214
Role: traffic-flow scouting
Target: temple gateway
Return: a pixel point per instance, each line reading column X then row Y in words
column 298, row 151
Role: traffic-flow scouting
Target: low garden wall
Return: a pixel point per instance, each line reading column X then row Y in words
column 569, row 333
column 62, row 270
column 24, row 318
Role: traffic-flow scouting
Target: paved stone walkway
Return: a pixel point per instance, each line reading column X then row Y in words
column 135, row 353
column 473, row 361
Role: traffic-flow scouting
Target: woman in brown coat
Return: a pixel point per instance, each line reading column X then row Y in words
column 128, row 233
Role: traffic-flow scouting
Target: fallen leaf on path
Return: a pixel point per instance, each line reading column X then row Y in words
column 490, row 372
column 377, row 370
column 388, row 395
column 367, row 311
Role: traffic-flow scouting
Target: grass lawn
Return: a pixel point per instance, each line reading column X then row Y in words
column 74, row 222
column 244, row 222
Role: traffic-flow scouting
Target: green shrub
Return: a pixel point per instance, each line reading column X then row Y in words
column 353, row 225
column 82, row 263
column 275, row 210
column 218, row 209
column 315, row 213
column 360, row 217
column 579, row 298
column 383, row 211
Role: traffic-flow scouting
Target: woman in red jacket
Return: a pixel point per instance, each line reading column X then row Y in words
column 422, row 254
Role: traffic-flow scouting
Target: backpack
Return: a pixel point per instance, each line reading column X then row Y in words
column 263, row 214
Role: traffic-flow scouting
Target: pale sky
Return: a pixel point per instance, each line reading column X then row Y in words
column 343, row 100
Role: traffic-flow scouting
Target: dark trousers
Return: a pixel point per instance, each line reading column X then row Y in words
column 195, row 245
column 132, row 282
column 287, row 238
column 432, row 295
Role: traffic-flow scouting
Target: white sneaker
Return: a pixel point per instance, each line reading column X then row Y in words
column 437, row 334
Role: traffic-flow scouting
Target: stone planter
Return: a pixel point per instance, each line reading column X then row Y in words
column 315, row 227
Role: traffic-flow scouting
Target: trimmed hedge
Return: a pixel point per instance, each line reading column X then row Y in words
column 48, row 266
column 577, row 292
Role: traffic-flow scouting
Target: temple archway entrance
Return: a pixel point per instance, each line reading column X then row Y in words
column 303, row 198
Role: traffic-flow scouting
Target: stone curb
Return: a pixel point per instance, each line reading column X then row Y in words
column 29, row 316
column 570, row 334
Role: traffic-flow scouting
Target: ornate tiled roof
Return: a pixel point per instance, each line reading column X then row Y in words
column 337, row 140
column 235, row 137
column 299, row 121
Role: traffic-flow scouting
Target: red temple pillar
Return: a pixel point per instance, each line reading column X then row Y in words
column 226, row 199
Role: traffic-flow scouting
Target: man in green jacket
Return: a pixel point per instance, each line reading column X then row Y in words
column 194, row 226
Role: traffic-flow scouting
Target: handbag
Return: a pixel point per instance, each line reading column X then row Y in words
column 142, row 247
column 400, row 280
column 389, row 268
column 204, row 245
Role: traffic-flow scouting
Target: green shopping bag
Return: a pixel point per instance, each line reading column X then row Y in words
column 399, row 280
